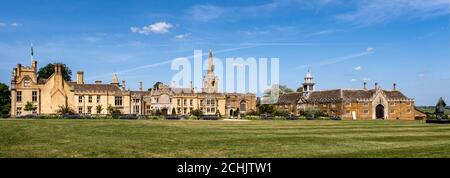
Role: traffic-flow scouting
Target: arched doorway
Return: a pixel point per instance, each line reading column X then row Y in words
column 165, row 112
column 379, row 110
column 231, row 112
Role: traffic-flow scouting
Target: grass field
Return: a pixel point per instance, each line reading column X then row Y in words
column 223, row 139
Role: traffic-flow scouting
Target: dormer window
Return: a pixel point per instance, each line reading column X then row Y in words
column 27, row 83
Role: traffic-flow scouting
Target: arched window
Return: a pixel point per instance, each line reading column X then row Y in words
column 243, row 106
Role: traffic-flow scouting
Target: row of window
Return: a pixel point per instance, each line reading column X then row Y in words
column 118, row 100
column 19, row 111
column 34, row 96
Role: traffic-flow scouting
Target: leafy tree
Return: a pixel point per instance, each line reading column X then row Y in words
column 236, row 112
column 65, row 110
column 266, row 109
column 5, row 100
column 158, row 112
column 197, row 112
column 283, row 89
column 155, row 86
column 48, row 70
column 29, row 107
column 99, row 109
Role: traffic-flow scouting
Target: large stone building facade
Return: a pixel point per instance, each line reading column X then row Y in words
column 352, row 104
column 48, row 95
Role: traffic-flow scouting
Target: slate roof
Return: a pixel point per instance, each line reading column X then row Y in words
column 289, row 98
column 95, row 87
column 338, row 95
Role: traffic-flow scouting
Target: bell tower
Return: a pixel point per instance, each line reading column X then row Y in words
column 211, row 81
column 308, row 84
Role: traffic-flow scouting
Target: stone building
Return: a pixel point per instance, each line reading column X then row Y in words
column 356, row 104
column 48, row 95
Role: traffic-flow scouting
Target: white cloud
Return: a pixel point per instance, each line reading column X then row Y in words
column 158, row 27
column 369, row 12
column 353, row 80
column 421, row 75
column 358, row 68
column 15, row 24
column 369, row 49
column 183, row 36
column 340, row 59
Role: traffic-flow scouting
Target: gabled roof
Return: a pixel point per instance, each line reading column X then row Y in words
column 289, row 98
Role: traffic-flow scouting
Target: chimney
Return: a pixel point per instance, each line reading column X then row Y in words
column 395, row 87
column 365, row 85
column 190, row 85
column 80, row 78
column 123, row 85
column 98, row 82
column 141, row 88
column 57, row 69
column 376, row 85
column 34, row 65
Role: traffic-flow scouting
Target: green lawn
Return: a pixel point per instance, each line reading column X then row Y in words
column 255, row 139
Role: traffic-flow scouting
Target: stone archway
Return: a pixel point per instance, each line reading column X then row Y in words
column 231, row 112
column 379, row 112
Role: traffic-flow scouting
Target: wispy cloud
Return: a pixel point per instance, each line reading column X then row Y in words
column 340, row 59
column 183, row 36
column 14, row 24
column 358, row 68
column 369, row 12
column 206, row 12
column 158, row 27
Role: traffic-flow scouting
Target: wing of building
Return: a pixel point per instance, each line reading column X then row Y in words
column 356, row 104
column 49, row 95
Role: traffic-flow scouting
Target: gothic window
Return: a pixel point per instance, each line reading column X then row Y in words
column 34, row 96
column 90, row 99
column 179, row 102
column 184, row 102
column 191, row 102
column 80, row 99
column 98, row 99
column 243, row 106
column 89, row 110
column 80, row 110
column 213, row 83
column 118, row 101
column 19, row 96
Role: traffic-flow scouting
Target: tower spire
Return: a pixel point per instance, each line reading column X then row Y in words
column 210, row 64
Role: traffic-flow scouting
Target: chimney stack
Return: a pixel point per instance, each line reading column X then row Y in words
column 376, row 85
column 124, row 85
column 80, row 77
column 365, row 85
column 141, row 88
column 190, row 85
column 395, row 87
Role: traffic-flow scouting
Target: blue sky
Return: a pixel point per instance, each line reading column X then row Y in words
column 344, row 41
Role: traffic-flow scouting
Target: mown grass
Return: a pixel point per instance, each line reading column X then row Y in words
column 223, row 139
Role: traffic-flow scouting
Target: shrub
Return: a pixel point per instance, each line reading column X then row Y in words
column 251, row 117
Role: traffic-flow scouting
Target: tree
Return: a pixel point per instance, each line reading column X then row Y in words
column 266, row 109
column 48, row 70
column 158, row 112
column 5, row 100
column 283, row 89
column 29, row 107
column 197, row 112
column 99, row 109
column 65, row 110
column 174, row 112
column 155, row 86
